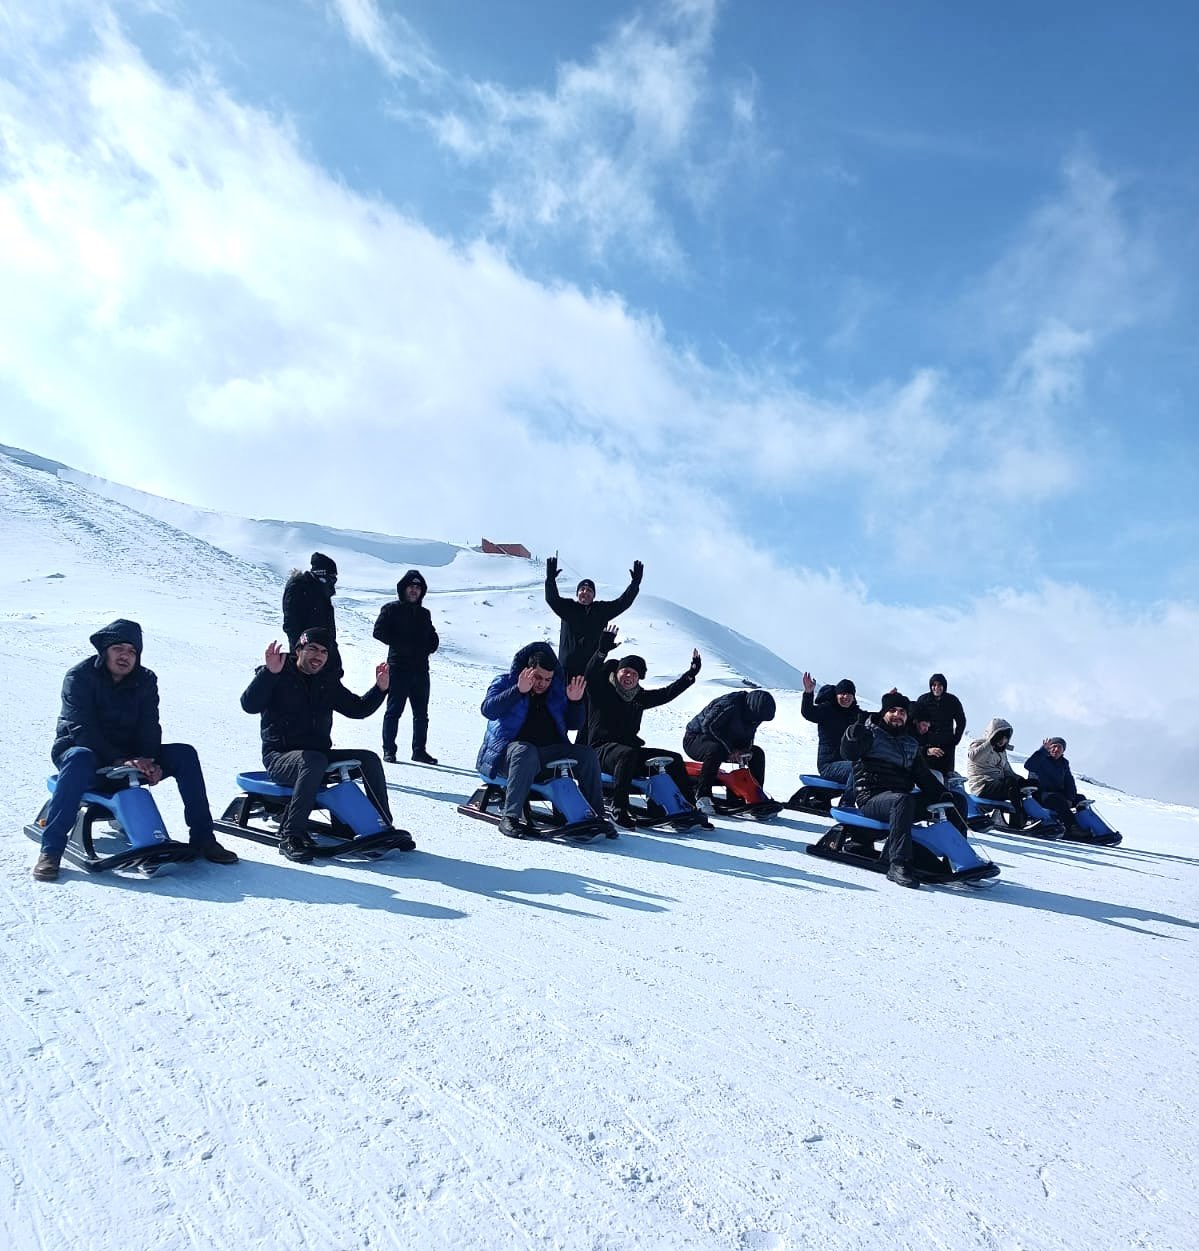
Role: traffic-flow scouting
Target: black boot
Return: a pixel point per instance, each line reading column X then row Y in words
column 902, row 875
column 422, row 757
column 46, row 869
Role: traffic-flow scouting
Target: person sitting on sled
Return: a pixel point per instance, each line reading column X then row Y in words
column 887, row 764
column 109, row 717
column 296, row 697
column 1049, row 770
column 936, row 746
column 989, row 772
column 725, row 730
column 617, row 701
column 832, row 709
column 529, row 710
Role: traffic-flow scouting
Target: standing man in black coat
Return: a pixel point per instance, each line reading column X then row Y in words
column 308, row 602
column 585, row 618
column 406, row 626
column 617, row 700
column 946, row 718
column 296, row 697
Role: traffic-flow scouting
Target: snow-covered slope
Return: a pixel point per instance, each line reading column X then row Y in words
column 663, row 1042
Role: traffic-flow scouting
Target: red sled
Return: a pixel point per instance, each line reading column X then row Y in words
column 743, row 795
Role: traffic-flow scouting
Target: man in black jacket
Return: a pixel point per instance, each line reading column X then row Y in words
column 406, row 626
column 617, row 701
column 887, row 763
column 584, row 618
column 725, row 730
column 308, row 601
column 296, row 697
column 946, row 718
column 832, row 709
column 109, row 717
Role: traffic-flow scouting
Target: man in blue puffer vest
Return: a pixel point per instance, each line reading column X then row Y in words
column 529, row 709
column 109, row 717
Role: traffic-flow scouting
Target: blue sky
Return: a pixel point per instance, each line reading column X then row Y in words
column 892, row 307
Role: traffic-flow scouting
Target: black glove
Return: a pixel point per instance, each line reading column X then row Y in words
column 635, row 573
column 607, row 640
column 551, row 568
column 696, row 664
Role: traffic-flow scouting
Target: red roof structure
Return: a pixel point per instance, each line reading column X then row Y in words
column 505, row 549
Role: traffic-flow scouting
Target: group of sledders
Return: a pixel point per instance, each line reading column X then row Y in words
column 891, row 771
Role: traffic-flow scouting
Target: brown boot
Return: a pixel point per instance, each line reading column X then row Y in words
column 46, row 869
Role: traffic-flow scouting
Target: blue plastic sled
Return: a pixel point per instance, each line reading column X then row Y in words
column 352, row 826
column 815, row 795
column 941, row 853
column 655, row 800
column 555, row 809
column 136, row 838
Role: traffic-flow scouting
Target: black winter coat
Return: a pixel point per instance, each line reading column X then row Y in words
column 579, row 638
column 946, row 716
column 613, row 719
column 885, row 760
column 306, row 602
column 406, row 628
column 733, row 719
column 116, row 720
column 297, row 709
column 831, row 721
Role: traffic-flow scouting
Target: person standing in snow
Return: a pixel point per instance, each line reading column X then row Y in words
column 832, row 709
column 946, row 718
column 585, row 618
column 406, row 626
column 617, row 701
column 887, row 764
column 989, row 772
column 725, row 730
column 308, row 604
column 296, row 697
column 109, row 716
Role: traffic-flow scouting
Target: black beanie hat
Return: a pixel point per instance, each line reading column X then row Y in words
column 315, row 634
column 893, row 699
column 846, row 687
column 585, row 582
column 320, row 563
column 632, row 662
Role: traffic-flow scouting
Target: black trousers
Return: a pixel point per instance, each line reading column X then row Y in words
column 407, row 684
column 304, row 772
column 625, row 763
column 1010, row 789
column 712, row 754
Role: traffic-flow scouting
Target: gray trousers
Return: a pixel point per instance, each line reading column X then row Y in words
column 525, row 762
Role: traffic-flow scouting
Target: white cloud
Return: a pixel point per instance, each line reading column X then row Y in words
column 390, row 40
column 604, row 155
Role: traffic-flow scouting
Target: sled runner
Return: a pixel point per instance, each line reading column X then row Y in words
column 815, row 795
column 655, row 800
column 352, row 825
column 132, row 834
column 743, row 796
column 555, row 810
column 940, row 852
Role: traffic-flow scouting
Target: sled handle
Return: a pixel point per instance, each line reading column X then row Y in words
column 657, row 763
column 126, row 773
column 562, row 767
column 341, row 769
column 941, row 809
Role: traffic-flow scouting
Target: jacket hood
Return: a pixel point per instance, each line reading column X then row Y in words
column 938, row 677
column 521, row 660
column 995, row 727
column 119, row 631
column 761, row 705
column 412, row 577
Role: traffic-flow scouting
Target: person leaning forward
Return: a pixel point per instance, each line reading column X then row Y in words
column 296, row 697
column 109, row 717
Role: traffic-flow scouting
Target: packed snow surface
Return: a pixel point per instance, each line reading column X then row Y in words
column 661, row 1042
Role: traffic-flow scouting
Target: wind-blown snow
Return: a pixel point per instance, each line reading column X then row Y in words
column 663, row 1042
